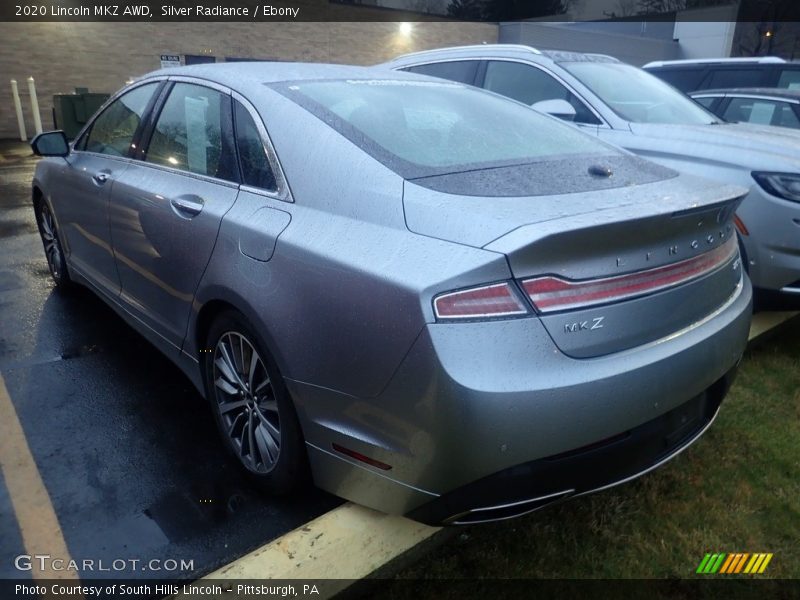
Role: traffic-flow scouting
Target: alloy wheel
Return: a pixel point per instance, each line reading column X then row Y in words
column 52, row 247
column 245, row 399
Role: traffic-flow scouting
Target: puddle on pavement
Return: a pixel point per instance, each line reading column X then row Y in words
column 15, row 228
column 10, row 281
column 84, row 350
column 182, row 514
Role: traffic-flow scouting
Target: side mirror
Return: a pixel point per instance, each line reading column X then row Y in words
column 557, row 108
column 50, row 143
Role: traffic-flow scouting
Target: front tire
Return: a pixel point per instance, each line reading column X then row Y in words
column 252, row 407
column 53, row 250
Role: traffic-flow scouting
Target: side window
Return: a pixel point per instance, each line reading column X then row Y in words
column 706, row 102
column 737, row 77
column 255, row 167
column 462, row 71
column 189, row 134
column 530, row 85
column 686, row 80
column 790, row 78
column 751, row 110
column 112, row 132
column 786, row 116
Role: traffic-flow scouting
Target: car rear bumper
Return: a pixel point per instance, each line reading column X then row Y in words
column 472, row 401
column 526, row 488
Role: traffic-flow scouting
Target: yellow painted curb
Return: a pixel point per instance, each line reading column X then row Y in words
column 348, row 543
column 360, row 539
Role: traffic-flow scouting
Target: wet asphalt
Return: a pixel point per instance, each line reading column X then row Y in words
column 125, row 446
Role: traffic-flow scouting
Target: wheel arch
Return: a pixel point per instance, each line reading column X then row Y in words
column 205, row 317
column 37, row 195
column 215, row 303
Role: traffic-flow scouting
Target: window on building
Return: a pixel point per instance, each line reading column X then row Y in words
column 198, row 59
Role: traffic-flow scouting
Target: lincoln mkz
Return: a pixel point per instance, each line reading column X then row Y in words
column 424, row 297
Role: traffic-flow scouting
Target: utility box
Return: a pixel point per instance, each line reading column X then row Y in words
column 72, row 111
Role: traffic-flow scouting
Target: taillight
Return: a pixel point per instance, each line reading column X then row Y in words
column 551, row 293
column 497, row 300
column 740, row 226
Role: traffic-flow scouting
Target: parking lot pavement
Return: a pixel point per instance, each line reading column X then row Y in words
column 12, row 151
column 115, row 456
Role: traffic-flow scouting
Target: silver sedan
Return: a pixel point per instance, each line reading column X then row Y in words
column 430, row 299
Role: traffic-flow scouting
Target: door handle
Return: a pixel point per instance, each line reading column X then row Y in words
column 100, row 177
column 187, row 206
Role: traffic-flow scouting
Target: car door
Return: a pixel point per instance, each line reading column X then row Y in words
column 529, row 84
column 80, row 203
column 166, row 209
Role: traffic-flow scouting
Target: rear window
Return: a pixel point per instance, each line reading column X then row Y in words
column 420, row 128
column 790, row 79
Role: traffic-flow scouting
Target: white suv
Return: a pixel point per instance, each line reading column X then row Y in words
column 628, row 107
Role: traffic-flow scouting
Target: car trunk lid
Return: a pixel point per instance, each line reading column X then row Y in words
column 606, row 270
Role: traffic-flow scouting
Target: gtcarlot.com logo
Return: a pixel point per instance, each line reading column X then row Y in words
column 734, row 562
column 46, row 562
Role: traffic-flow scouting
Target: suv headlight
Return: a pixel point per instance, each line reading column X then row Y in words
column 782, row 185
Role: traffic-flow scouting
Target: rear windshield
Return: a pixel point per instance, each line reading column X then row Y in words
column 423, row 129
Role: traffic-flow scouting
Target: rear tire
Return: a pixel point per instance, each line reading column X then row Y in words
column 252, row 407
column 53, row 250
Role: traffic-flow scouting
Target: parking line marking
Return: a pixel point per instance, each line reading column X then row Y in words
column 351, row 542
column 36, row 517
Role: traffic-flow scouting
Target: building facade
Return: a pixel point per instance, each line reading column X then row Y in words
column 103, row 56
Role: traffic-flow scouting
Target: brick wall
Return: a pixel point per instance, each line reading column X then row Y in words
column 102, row 56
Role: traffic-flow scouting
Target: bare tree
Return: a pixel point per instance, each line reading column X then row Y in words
column 508, row 10
column 654, row 7
column 434, row 7
column 626, row 8
column 767, row 28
